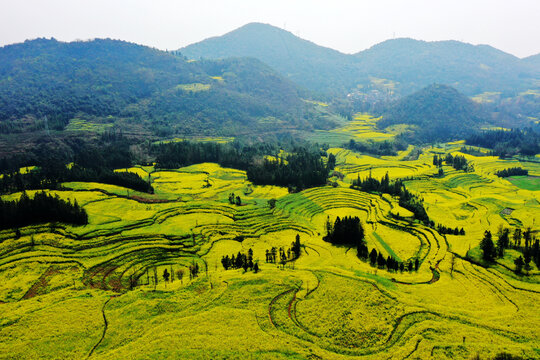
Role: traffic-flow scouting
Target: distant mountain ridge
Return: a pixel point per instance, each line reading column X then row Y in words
column 409, row 64
column 302, row 61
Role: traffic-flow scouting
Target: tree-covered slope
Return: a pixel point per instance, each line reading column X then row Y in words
column 108, row 80
column 436, row 113
column 407, row 64
column 315, row 67
column 533, row 62
column 470, row 69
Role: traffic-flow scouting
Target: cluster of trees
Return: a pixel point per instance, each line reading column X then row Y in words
column 506, row 143
column 377, row 259
column 500, row 356
column 292, row 253
column 381, row 148
column 185, row 153
column 474, row 152
column 441, row 229
column 90, row 162
column 302, row 168
column 530, row 249
column 194, row 270
column 235, row 200
column 515, row 171
column 42, row 208
column 168, row 276
column 407, row 200
column 50, row 178
column 111, row 150
column 347, row 231
column 240, row 261
column 458, row 162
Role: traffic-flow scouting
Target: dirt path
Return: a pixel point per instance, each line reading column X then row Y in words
column 104, row 328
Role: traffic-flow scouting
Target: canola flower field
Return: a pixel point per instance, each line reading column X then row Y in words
column 90, row 292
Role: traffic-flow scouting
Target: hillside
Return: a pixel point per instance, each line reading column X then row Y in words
column 470, row 69
column 315, row 67
column 401, row 65
column 533, row 61
column 436, row 113
column 47, row 84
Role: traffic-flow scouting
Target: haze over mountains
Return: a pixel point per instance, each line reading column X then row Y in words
column 409, row 64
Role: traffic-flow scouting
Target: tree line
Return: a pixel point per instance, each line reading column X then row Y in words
column 407, row 200
column 441, row 229
column 88, row 162
column 42, row 208
column 458, row 162
column 514, row 171
column 348, row 231
column 240, row 261
column 508, row 142
column 292, row 253
column 51, row 178
column 530, row 249
column 380, row 148
column 301, row 169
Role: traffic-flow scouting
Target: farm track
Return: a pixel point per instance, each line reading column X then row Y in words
column 105, row 326
column 285, row 303
column 490, row 284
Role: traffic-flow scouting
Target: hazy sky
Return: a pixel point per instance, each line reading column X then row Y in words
column 345, row 25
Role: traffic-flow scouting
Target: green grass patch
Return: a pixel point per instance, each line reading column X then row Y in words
column 531, row 183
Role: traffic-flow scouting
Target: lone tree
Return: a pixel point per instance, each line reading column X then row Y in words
column 180, row 275
column 166, row 276
column 296, row 246
column 519, row 264
column 503, row 240
column 487, row 246
column 373, row 257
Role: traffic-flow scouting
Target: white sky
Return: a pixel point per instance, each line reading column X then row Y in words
column 345, row 25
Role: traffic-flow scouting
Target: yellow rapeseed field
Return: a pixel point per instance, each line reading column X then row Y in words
column 91, row 292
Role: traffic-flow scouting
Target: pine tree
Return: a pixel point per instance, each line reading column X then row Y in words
column 487, row 247
column 519, row 265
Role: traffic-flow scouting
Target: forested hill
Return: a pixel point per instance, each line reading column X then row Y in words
column 533, row 62
column 472, row 69
column 406, row 65
column 46, row 83
column 315, row 67
column 436, row 113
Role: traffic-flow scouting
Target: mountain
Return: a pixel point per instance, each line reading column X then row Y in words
column 533, row 62
column 472, row 69
column 307, row 64
column 400, row 65
column 435, row 113
column 46, row 84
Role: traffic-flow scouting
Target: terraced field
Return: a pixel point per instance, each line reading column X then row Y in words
column 90, row 291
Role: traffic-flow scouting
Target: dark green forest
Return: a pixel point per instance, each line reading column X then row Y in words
column 42, row 208
column 437, row 113
column 45, row 83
